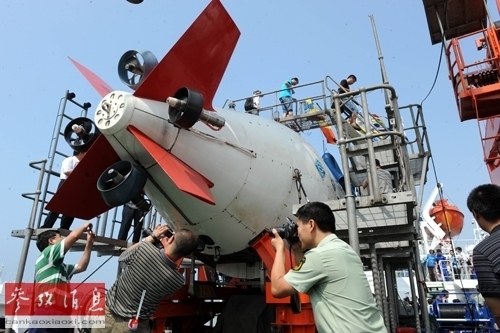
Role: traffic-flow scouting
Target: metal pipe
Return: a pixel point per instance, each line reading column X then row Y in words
column 379, row 51
column 29, row 231
column 212, row 118
column 372, row 177
column 114, row 220
column 390, row 295
column 414, row 297
column 349, row 196
column 383, row 72
column 97, row 222
column 383, row 288
column 404, row 159
column 376, row 278
column 325, row 105
column 104, row 223
column 488, row 12
column 385, row 133
column 419, row 275
column 53, row 148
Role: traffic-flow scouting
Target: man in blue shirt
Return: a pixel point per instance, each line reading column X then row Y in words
column 430, row 262
column 442, row 266
column 285, row 96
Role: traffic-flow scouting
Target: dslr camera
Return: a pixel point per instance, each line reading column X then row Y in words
column 287, row 231
column 148, row 232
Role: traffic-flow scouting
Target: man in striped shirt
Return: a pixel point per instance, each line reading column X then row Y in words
column 384, row 179
column 146, row 268
column 50, row 267
column 483, row 202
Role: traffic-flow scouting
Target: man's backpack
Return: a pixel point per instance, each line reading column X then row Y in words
column 249, row 104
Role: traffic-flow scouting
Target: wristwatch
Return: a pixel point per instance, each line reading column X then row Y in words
column 156, row 240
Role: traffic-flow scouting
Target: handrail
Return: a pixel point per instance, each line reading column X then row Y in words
column 274, row 107
column 271, row 92
column 461, row 70
column 299, row 103
column 326, row 84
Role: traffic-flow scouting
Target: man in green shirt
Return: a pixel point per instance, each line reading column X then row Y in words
column 50, row 268
column 329, row 271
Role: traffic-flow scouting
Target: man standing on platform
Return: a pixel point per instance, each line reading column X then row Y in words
column 68, row 165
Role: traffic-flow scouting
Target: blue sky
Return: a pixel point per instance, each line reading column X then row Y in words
column 279, row 39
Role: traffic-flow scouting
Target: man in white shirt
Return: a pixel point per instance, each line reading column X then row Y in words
column 463, row 263
column 252, row 105
column 67, row 166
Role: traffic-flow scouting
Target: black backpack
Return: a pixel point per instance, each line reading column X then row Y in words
column 249, row 104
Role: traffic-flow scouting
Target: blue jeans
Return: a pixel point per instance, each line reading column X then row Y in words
column 349, row 107
column 129, row 214
column 286, row 103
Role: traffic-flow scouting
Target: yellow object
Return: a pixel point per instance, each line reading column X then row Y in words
column 325, row 128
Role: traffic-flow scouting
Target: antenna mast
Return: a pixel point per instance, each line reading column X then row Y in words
column 385, row 80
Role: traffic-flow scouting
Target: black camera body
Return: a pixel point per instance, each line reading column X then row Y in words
column 288, row 231
column 148, row 232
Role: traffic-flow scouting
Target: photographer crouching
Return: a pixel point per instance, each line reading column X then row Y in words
column 149, row 274
column 329, row 271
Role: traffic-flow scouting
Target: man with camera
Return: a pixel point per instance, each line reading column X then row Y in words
column 329, row 271
column 149, row 274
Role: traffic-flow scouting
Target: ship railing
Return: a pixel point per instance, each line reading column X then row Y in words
column 346, row 98
column 314, row 92
column 462, row 271
column 468, row 75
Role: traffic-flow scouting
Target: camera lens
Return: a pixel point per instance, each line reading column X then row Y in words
column 288, row 231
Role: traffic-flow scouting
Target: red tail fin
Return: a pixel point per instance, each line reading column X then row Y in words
column 198, row 60
column 186, row 178
column 102, row 87
column 78, row 196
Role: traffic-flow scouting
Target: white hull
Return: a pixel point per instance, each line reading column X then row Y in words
column 250, row 161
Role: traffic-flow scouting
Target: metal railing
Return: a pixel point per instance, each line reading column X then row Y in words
column 276, row 108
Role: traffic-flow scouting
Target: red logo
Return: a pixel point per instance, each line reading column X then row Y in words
column 75, row 302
